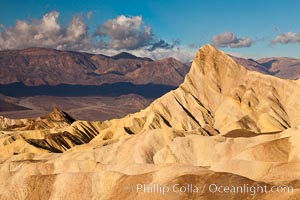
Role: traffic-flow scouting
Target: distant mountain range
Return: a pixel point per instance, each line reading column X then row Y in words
column 40, row 66
column 282, row 67
column 32, row 74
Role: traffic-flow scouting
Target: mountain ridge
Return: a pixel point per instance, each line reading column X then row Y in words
column 202, row 101
column 39, row 66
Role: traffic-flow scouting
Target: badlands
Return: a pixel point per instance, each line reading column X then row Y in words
column 223, row 127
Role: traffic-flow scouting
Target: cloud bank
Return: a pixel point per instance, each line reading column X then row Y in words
column 46, row 32
column 124, row 33
column 228, row 39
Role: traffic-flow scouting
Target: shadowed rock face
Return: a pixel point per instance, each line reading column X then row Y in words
column 224, row 125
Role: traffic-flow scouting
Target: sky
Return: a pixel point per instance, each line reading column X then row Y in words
column 156, row 29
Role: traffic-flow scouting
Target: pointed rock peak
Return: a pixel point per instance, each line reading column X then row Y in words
column 58, row 115
column 214, row 68
column 57, row 110
column 209, row 47
column 124, row 55
column 209, row 58
column 207, row 50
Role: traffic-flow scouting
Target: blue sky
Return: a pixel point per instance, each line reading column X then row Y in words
column 246, row 28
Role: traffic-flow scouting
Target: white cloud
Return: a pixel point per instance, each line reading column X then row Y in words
column 77, row 29
column 46, row 32
column 115, row 35
column 285, row 38
column 183, row 54
column 228, row 39
column 126, row 32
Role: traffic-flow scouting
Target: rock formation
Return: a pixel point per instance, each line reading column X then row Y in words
column 224, row 125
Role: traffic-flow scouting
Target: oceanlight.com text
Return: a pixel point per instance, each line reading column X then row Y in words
column 211, row 188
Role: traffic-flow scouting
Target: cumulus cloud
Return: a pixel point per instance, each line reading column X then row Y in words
column 228, row 39
column 285, row 38
column 46, row 32
column 124, row 33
